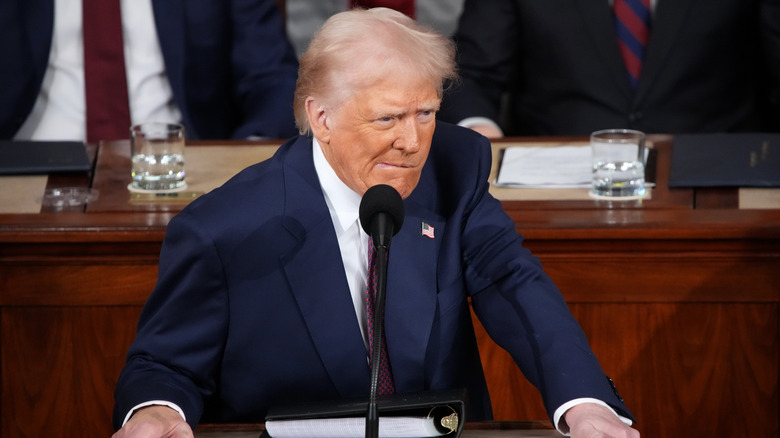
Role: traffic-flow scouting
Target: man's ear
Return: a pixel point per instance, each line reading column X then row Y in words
column 318, row 119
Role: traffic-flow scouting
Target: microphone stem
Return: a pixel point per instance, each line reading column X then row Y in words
column 372, row 416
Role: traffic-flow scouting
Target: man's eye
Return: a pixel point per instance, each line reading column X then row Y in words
column 425, row 115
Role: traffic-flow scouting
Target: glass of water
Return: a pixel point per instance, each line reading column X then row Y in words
column 157, row 156
column 618, row 164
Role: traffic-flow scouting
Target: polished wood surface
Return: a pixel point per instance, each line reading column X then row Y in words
column 679, row 296
column 487, row 429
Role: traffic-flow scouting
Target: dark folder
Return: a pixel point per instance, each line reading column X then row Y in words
column 444, row 406
column 726, row 160
column 42, row 157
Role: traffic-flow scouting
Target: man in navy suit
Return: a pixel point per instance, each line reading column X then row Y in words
column 222, row 68
column 262, row 282
column 554, row 67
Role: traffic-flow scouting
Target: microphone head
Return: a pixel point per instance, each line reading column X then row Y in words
column 379, row 199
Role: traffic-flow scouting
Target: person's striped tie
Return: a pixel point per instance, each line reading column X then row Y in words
column 632, row 21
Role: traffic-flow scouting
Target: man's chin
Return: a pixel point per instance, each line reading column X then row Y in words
column 402, row 180
column 404, row 188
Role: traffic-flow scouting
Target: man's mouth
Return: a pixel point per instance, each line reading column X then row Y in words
column 396, row 165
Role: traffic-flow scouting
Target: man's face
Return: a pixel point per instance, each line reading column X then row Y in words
column 381, row 134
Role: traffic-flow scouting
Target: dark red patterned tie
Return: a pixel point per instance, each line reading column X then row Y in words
column 405, row 6
column 105, row 82
column 632, row 21
column 386, row 385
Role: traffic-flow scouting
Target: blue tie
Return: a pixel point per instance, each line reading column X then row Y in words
column 632, row 21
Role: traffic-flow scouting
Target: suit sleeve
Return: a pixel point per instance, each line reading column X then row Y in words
column 265, row 69
column 770, row 28
column 181, row 330
column 486, row 38
column 523, row 311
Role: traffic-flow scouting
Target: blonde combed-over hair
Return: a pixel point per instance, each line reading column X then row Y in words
column 354, row 47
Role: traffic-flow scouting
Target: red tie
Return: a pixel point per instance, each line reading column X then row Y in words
column 405, row 6
column 386, row 385
column 105, row 83
column 632, row 21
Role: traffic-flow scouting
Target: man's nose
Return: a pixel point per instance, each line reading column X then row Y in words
column 408, row 137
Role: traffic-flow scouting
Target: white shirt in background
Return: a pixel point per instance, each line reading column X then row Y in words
column 59, row 112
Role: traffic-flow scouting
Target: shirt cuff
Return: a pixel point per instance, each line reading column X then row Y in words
column 173, row 406
column 560, row 423
column 468, row 122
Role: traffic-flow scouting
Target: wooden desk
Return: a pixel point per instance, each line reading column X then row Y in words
column 688, row 327
column 490, row 429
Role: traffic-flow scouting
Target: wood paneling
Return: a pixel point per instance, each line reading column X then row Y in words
column 60, row 366
column 681, row 367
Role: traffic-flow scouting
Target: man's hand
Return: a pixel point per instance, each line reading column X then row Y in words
column 155, row 422
column 590, row 420
column 488, row 131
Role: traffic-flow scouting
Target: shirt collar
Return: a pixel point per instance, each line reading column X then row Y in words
column 343, row 202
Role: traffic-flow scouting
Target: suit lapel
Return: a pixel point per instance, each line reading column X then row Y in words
column 411, row 296
column 600, row 25
column 316, row 276
column 671, row 16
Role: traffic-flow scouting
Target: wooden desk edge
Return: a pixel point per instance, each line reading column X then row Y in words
column 230, row 430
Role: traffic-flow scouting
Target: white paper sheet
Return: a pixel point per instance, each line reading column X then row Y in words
column 545, row 167
column 351, row 427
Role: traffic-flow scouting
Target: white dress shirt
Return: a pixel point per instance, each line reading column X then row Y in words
column 344, row 204
column 60, row 109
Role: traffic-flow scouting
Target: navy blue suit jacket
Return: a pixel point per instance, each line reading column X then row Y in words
column 229, row 63
column 711, row 66
column 252, row 306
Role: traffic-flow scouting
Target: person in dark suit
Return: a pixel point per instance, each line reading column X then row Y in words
column 554, row 67
column 226, row 68
column 262, row 281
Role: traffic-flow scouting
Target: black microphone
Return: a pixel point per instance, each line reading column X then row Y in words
column 381, row 216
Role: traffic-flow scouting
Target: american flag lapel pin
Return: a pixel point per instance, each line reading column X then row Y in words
column 427, row 230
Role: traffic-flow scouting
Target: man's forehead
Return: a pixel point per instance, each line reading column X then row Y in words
column 399, row 93
column 401, row 105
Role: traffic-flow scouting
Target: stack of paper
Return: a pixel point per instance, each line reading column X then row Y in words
column 352, row 427
column 545, row 167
